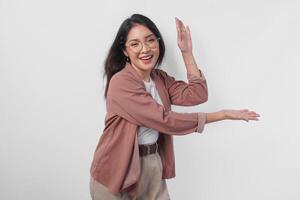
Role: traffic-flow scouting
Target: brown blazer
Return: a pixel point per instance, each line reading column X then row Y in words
column 116, row 162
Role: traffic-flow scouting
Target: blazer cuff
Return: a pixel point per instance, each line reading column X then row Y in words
column 201, row 122
column 192, row 77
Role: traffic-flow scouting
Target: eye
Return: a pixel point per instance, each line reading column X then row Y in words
column 133, row 44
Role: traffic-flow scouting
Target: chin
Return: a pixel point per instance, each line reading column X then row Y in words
column 145, row 67
column 149, row 67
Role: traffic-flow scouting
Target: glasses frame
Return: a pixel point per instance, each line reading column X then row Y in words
column 142, row 45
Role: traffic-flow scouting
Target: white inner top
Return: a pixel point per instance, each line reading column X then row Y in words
column 148, row 135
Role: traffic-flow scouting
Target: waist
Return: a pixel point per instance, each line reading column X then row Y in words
column 146, row 149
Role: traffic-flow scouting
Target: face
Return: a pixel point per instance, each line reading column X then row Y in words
column 142, row 48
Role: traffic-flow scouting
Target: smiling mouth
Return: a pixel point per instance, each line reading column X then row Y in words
column 147, row 57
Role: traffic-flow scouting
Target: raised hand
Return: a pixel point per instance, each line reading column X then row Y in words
column 243, row 114
column 184, row 39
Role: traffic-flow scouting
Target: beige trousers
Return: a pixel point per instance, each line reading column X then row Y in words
column 151, row 186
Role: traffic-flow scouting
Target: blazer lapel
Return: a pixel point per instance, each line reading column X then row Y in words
column 158, row 83
column 160, row 89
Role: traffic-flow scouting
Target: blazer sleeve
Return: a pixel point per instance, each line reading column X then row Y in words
column 128, row 98
column 186, row 94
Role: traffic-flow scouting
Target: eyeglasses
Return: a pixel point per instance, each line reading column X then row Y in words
column 136, row 46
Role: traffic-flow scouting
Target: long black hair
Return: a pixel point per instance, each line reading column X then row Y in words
column 116, row 60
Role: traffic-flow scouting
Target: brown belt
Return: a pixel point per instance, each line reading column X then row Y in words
column 148, row 149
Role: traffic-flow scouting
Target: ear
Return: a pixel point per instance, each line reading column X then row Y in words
column 125, row 53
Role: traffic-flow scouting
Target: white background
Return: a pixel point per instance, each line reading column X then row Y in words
column 52, row 106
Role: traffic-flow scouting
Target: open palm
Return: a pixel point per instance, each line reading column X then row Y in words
column 184, row 39
column 243, row 114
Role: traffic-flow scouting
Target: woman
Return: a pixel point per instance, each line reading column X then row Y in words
column 135, row 152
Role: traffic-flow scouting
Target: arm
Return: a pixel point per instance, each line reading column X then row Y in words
column 184, row 41
column 186, row 94
column 242, row 114
column 215, row 116
column 195, row 92
column 191, row 65
column 127, row 98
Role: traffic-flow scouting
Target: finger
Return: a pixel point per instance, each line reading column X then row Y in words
column 252, row 111
column 178, row 26
column 189, row 33
column 180, row 23
column 179, row 35
column 177, row 22
column 253, row 118
column 253, row 114
column 256, row 114
column 183, row 33
column 182, row 29
column 181, row 26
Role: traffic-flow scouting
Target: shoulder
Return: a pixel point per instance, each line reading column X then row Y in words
column 123, row 83
column 123, row 78
column 160, row 72
column 164, row 76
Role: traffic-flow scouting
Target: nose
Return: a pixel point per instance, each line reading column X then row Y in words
column 146, row 47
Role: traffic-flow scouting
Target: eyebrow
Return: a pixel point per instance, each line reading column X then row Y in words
column 145, row 37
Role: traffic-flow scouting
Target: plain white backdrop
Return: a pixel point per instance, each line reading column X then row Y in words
column 52, row 107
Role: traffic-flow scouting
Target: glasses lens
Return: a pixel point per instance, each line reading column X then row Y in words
column 135, row 46
column 151, row 42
